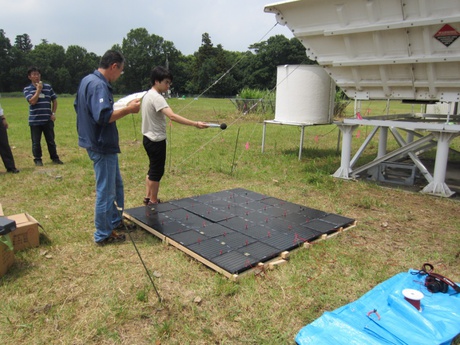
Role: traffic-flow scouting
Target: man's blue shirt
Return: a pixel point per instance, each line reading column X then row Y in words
column 94, row 107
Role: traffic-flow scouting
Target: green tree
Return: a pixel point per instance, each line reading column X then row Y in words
column 20, row 52
column 227, row 85
column 182, row 72
column 6, row 61
column 23, row 43
column 78, row 63
column 141, row 51
column 203, row 66
column 177, row 63
column 62, row 80
column 268, row 55
column 50, row 58
column 211, row 70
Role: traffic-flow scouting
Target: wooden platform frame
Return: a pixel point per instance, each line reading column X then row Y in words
column 260, row 267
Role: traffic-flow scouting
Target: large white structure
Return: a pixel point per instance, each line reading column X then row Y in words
column 387, row 49
column 304, row 97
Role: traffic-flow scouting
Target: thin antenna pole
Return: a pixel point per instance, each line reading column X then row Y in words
column 234, row 153
column 134, row 127
column 170, row 146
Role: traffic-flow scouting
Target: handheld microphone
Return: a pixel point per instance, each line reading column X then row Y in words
column 216, row 125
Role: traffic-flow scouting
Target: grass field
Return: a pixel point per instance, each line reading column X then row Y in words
column 68, row 291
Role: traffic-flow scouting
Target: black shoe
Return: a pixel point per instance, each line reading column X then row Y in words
column 57, row 161
column 13, row 171
column 38, row 163
column 113, row 238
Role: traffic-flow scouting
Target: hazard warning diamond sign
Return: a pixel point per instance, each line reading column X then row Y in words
column 447, row 35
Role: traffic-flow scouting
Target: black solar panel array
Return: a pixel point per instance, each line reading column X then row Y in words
column 236, row 229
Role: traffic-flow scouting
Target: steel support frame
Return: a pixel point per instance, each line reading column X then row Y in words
column 436, row 183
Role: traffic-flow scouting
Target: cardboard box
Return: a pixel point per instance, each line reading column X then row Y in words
column 26, row 234
column 6, row 257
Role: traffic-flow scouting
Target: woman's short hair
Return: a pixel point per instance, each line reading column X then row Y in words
column 159, row 74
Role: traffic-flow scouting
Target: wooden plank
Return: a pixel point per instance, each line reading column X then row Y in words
column 323, row 237
column 273, row 264
column 285, row 255
column 340, row 230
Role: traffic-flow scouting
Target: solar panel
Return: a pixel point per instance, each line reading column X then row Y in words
column 236, row 229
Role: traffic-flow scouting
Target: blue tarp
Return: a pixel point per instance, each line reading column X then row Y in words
column 400, row 322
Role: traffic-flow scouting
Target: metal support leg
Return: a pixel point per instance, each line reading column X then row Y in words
column 302, row 132
column 438, row 186
column 263, row 136
column 344, row 170
column 383, row 140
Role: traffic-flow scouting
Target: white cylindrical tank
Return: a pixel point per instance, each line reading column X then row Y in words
column 304, row 94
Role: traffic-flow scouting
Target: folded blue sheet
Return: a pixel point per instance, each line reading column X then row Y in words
column 400, row 322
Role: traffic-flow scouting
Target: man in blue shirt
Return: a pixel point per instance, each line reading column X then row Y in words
column 98, row 134
column 42, row 114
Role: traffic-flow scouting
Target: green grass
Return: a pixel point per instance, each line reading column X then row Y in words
column 70, row 291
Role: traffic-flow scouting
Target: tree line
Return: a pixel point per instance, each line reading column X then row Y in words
column 211, row 70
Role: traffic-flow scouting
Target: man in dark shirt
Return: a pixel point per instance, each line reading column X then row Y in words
column 98, row 134
column 5, row 149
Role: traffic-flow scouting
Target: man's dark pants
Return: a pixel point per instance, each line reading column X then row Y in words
column 36, row 133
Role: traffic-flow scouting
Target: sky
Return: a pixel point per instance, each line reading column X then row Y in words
column 96, row 25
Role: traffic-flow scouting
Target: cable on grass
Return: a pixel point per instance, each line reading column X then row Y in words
column 139, row 254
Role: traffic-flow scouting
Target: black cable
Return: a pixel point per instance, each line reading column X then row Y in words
column 139, row 254
column 143, row 263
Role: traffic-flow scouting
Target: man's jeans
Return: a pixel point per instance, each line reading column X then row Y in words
column 109, row 194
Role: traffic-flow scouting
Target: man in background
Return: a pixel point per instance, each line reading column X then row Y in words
column 42, row 114
column 5, row 149
column 98, row 134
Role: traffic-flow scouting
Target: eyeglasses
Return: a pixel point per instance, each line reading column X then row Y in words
column 120, row 67
column 167, row 82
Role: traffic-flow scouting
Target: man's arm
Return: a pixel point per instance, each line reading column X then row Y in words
column 53, row 109
column 182, row 120
column 3, row 122
column 34, row 99
column 133, row 107
column 54, row 105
